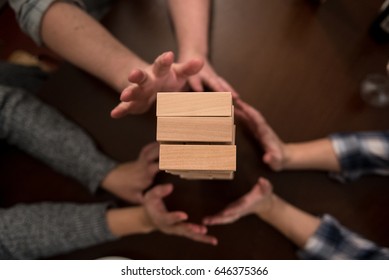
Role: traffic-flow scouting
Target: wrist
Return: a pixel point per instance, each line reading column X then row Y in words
column 109, row 179
column 266, row 212
column 265, row 209
column 289, row 151
column 186, row 54
column 130, row 220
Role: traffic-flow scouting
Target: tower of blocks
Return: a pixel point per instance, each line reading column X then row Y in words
column 196, row 131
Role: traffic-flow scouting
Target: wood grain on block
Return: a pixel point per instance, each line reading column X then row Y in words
column 195, row 129
column 208, row 175
column 192, row 104
column 197, row 157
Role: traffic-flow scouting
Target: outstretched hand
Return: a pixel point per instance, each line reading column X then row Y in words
column 257, row 201
column 207, row 76
column 275, row 149
column 162, row 75
column 129, row 180
column 172, row 222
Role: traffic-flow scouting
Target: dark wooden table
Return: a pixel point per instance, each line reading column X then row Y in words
column 300, row 64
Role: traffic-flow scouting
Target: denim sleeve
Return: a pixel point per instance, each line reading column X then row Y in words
column 29, row 14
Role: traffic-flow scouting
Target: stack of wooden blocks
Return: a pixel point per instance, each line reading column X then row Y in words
column 197, row 134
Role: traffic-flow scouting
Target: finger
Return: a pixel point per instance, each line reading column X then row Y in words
column 171, row 218
column 159, row 192
column 189, row 68
column 194, row 232
column 229, row 88
column 120, row 110
column 219, row 219
column 131, row 93
column 240, row 115
column 214, row 84
column 265, row 186
column 207, row 239
column 195, row 84
column 162, row 64
column 153, row 169
column 150, row 152
column 138, row 76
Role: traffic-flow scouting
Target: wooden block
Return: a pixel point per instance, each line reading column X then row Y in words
column 208, row 175
column 195, row 129
column 197, row 157
column 192, row 104
column 233, row 134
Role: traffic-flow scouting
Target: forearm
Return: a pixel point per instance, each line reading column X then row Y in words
column 297, row 225
column 130, row 220
column 316, row 154
column 80, row 39
column 191, row 21
column 44, row 133
column 46, row 229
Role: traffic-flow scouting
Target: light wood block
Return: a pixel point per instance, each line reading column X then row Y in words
column 195, row 129
column 208, row 176
column 233, row 134
column 192, row 104
column 197, row 157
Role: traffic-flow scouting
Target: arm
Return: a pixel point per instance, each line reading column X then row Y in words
column 46, row 229
column 349, row 154
column 153, row 215
column 80, row 39
column 294, row 223
column 191, row 22
column 45, row 134
column 317, row 154
column 318, row 238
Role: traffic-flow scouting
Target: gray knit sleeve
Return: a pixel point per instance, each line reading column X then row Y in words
column 46, row 229
column 45, row 134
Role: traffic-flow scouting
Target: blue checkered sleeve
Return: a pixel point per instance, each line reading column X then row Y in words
column 332, row 241
column 361, row 153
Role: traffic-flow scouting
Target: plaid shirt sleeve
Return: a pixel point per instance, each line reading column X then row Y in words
column 333, row 241
column 361, row 153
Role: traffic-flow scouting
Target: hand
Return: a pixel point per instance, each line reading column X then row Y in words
column 257, row 201
column 208, row 77
column 275, row 150
column 173, row 222
column 162, row 75
column 129, row 180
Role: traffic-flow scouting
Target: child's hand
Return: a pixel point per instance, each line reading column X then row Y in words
column 129, row 180
column 275, row 150
column 172, row 222
column 257, row 201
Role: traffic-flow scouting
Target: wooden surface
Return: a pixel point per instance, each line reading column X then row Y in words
column 301, row 65
column 195, row 129
column 197, row 157
column 202, row 104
